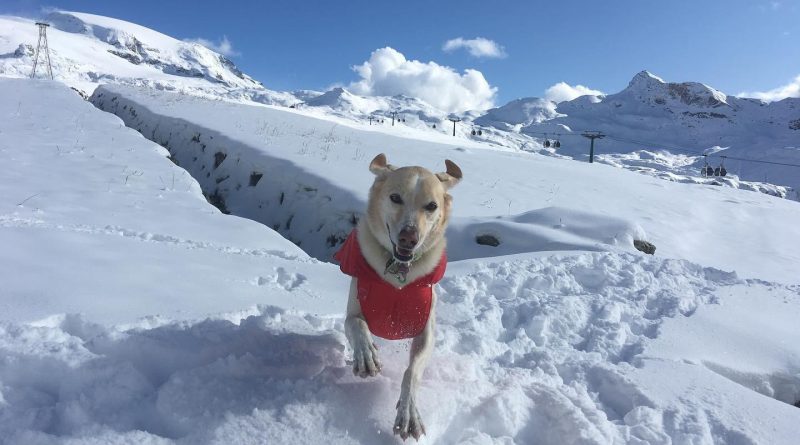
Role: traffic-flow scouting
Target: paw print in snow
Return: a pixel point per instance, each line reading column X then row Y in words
column 282, row 278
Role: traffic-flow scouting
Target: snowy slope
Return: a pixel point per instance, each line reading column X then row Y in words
column 90, row 50
column 87, row 50
column 311, row 190
column 96, row 220
column 519, row 113
column 411, row 111
column 691, row 116
column 535, row 348
column 133, row 311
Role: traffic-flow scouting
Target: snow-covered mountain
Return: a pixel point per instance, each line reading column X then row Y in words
column 410, row 110
column 686, row 119
column 519, row 113
column 86, row 50
column 655, row 127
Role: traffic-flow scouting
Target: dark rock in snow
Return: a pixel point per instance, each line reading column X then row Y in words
column 644, row 246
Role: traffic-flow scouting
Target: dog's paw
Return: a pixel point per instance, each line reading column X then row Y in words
column 408, row 422
column 365, row 360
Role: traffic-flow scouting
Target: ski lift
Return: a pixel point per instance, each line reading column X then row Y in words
column 557, row 144
column 480, row 132
column 722, row 170
column 707, row 170
column 474, row 132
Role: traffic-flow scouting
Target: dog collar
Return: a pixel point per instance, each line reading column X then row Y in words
column 398, row 268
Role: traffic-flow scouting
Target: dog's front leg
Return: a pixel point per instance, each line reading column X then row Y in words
column 408, row 421
column 365, row 354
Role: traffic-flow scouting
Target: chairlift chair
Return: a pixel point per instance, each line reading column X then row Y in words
column 557, row 144
column 722, row 170
column 707, row 170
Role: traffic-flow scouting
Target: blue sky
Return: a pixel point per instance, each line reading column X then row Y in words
column 732, row 45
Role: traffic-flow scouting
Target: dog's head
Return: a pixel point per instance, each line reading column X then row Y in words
column 409, row 207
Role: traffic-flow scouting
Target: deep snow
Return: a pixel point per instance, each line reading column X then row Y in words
column 133, row 311
column 141, row 298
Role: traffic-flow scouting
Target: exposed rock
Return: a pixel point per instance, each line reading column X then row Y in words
column 487, row 240
column 24, row 50
column 644, row 246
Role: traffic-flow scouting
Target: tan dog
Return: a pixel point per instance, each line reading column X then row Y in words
column 395, row 255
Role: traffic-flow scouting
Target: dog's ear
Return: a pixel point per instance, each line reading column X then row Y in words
column 452, row 176
column 379, row 167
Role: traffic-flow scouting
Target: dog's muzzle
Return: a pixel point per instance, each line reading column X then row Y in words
column 407, row 240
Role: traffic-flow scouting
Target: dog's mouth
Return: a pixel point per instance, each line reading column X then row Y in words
column 402, row 255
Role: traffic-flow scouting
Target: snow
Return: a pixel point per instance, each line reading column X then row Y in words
column 85, row 188
column 312, row 193
column 519, row 113
column 87, row 49
column 134, row 311
column 650, row 119
column 169, row 322
column 684, row 119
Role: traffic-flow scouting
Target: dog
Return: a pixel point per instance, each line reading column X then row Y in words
column 395, row 255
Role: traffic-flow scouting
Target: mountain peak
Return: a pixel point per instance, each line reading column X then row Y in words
column 645, row 77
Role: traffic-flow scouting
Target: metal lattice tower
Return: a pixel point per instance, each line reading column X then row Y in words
column 42, row 43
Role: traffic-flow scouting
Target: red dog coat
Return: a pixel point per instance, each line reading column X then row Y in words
column 390, row 313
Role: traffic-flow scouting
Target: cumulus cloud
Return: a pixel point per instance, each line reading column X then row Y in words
column 792, row 89
column 477, row 47
column 389, row 73
column 224, row 46
column 563, row 91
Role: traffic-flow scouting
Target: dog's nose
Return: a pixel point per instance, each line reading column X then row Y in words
column 408, row 237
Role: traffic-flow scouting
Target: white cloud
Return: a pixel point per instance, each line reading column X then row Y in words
column 478, row 47
column 792, row 89
column 562, row 91
column 224, row 47
column 388, row 73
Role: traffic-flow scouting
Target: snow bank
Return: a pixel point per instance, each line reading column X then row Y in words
column 97, row 220
column 315, row 182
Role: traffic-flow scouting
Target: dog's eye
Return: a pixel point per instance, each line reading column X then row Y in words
column 396, row 198
column 431, row 206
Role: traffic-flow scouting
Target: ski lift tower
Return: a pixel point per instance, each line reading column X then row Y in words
column 592, row 135
column 42, row 44
column 454, row 119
